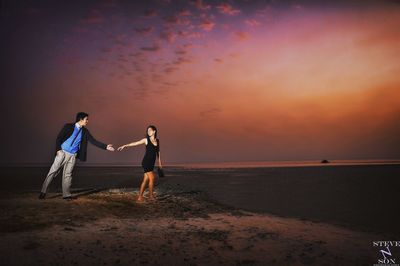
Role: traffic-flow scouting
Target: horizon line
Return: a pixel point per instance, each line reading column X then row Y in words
column 227, row 163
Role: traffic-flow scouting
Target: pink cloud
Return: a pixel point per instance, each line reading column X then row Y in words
column 154, row 48
column 189, row 35
column 241, row 35
column 183, row 49
column 177, row 19
column 180, row 52
column 207, row 25
column 234, row 55
column 200, row 5
column 252, row 22
column 168, row 36
column 170, row 69
column 226, row 8
column 267, row 10
column 225, row 26
column 181, row 60
column 187, row 45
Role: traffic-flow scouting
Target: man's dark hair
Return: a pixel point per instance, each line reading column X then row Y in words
column 81, row 115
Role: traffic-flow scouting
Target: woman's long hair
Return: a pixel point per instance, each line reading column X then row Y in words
column 154, row 128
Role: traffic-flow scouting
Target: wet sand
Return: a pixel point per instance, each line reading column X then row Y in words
column 180, row 228
column 190, row 223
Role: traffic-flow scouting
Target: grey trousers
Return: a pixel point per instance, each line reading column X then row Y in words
column 66, row 160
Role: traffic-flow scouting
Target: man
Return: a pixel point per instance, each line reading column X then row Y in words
column 71, row 143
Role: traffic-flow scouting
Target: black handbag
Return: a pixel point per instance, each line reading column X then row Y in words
column 160, row 172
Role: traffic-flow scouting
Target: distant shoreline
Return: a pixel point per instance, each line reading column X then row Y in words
column 251, row 164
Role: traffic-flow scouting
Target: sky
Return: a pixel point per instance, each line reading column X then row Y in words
column 222, row 81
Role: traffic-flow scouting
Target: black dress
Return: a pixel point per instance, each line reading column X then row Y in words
column 150, row 156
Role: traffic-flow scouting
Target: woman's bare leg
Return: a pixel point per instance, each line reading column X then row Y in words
column 142, row 187
column 151, row 185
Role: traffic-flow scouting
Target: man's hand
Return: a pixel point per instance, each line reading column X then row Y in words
column 110, row 147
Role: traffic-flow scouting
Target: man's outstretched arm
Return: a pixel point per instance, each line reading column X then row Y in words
column 99, row 144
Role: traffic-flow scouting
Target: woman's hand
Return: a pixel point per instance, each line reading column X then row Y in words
column 121, row 148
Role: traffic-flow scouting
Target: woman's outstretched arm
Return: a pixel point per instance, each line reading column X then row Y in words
column 142, row 141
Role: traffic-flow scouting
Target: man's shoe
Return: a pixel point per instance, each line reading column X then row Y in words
column 69, row 198
column 42, row 195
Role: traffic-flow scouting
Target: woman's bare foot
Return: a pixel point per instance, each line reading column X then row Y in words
column 140, row 199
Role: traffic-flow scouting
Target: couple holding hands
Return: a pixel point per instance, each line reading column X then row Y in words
column 71, row 143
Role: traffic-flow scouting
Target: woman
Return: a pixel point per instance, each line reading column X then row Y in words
column 152, row 150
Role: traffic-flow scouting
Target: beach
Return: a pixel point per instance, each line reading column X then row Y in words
column 202, row 216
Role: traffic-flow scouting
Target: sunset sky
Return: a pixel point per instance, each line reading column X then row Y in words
column 221, row 80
